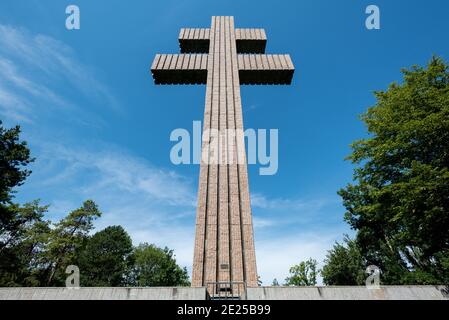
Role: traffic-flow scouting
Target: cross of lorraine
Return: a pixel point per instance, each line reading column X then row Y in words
column 223, row 58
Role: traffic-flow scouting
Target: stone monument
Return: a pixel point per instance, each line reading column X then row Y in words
column 223, row 58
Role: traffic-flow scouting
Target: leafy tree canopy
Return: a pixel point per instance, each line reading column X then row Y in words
column 14, row 156
column 106, row 258
column 344, row 265
column 155, row 267
column 303, row 274
column 36, row 252
column 399, row 203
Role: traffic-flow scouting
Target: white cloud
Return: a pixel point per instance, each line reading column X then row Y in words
column 111, row 175
column 156, row 205
column 294, row 229
column 153, row 204
column 275, row 212
column 259, row 223
column 259, row 200
column 275, row 255
column 32, row 66
column 179, row 238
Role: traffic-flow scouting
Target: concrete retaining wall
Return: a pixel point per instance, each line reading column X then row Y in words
column 348, row 293
column 260, row 293
column 180, row 293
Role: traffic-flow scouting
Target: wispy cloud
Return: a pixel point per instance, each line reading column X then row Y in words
column 40, row 76
column 252, row 107
column 33, row 66
column 289, row 230
column 277, row 254
column 110, row 168
column 156, row 205
column 294, row 211
column 153, row 204
column 259, row 200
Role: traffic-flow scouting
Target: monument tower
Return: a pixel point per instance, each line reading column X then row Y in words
column 223, row 58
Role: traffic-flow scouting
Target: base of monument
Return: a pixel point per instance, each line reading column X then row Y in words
column 259, row 293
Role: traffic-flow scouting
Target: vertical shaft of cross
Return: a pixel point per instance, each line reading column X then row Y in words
column 224, row 243
column 224, row 239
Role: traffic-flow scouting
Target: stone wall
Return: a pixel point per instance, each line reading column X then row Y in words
column 348, row 293
column 180, row 293
column 260, row 293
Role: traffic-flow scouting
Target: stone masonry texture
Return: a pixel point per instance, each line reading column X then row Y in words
column 223, row 58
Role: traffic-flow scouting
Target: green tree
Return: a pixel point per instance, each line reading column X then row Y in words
column 155, row 267
column 303, row 274
column 21, row 227
column 35, row 252
column 21, row 239
column 344, row 265
column 14, row 156
column 399, row 203
column 65, row 241
column 275, row 283
column 105, row 260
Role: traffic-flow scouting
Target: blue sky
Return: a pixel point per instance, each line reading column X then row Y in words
column 100, row 128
